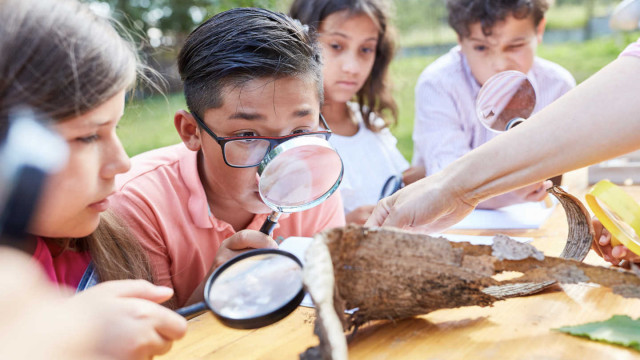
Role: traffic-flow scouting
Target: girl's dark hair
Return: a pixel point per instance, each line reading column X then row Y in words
column 463, row 13
column 375, row 95
column 243, row 44
column 62, row 60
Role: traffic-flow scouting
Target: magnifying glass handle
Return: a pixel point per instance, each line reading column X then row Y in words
column 192, row 309
column 270, row 223
column 513, row 123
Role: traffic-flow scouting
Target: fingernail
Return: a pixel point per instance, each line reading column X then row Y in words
column 622, row 253
column 603, row 240
column 164, row 290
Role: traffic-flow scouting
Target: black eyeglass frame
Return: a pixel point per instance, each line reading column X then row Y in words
column 273, row 140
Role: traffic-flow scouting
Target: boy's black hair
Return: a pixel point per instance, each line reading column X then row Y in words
column 463, row 13
column 241, row 45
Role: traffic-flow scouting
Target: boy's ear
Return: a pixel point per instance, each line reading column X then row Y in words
column 540, row 29
column 187, row 129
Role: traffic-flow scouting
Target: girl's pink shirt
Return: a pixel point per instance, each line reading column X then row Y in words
column 632, row 49
column 66, row 268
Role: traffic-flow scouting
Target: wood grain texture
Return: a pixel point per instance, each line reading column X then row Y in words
column 516, row 328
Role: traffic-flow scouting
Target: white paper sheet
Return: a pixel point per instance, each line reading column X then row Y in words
column 298, row 246
column 479, row 240
column 520, row 216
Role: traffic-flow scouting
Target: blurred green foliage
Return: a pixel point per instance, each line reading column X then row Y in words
column 419, row 22
column 177, row 16
column 148, row 124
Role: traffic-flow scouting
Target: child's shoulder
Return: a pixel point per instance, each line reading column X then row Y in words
column 151, row 162
column 548, row 70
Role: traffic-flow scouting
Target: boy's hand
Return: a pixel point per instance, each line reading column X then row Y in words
column 602, row 246
column 533, row 192
column 413, row 174
column 360, row 215
column 240, row 242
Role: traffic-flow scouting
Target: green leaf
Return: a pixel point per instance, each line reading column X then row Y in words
column 619, row 330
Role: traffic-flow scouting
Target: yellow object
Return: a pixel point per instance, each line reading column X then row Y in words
column 618, row 213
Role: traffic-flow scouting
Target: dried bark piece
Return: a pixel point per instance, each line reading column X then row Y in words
column 392, row 274
column 581, row 232
column 329, row 327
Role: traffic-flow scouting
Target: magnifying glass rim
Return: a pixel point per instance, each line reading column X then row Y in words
column 493, row 78
column 257, row 321
column 293, row 143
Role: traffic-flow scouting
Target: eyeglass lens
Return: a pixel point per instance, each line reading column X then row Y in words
column 250, row 152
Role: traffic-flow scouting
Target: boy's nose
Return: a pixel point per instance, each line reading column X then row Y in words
column 502, row 63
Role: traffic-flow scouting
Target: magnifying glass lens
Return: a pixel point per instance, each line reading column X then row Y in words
column 256, row 286
column 504, row 97
column 617, row 221
column 300, row 176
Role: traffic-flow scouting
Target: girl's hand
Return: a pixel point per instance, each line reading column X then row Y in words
column 128, row 320
column 602, row 246
column 360, row 215
column 240, row 242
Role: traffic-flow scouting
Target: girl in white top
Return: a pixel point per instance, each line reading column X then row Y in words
column 357, row 48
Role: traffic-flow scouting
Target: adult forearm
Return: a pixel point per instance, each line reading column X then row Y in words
column 598, row 120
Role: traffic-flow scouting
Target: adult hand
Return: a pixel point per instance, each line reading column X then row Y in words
column 360, row 215
column 128, row 319
column 240, row 242
column 428, row 205
column 602, row 246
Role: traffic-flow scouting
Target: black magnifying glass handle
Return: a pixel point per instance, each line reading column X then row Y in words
column 192, row 309
column 270, row 223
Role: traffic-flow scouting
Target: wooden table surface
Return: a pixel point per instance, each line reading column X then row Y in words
column 518, row 328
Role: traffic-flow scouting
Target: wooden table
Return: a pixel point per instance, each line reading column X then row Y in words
column 519, row 328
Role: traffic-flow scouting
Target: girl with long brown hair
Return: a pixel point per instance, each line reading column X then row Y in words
column 72, row 68
column 357, row 44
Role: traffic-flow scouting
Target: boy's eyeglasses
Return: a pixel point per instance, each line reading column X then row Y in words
column 248, row 151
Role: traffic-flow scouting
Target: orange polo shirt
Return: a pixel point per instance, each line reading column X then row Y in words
column 164, row 203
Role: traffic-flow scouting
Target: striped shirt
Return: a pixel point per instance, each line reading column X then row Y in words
column 446, row 126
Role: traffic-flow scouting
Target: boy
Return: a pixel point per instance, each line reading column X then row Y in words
column 493, row 36
column 248, row 73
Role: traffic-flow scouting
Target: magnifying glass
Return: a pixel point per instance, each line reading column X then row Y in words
column 505, row 100
column 254, row 289
column 618, row 212
column 393, row 184
column 298, row 175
